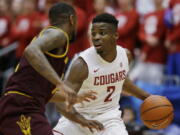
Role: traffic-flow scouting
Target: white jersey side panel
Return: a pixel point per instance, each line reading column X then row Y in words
column 105, row 78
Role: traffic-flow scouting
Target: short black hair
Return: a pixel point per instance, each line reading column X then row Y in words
column 60, row 12
column 106, row 18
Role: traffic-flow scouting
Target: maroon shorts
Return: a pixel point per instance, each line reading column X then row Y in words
column 20, row 115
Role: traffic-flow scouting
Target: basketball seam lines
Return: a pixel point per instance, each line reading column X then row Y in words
column 160, row 119
column 154, row 108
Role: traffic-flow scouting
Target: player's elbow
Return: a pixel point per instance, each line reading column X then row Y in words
column 30, row 51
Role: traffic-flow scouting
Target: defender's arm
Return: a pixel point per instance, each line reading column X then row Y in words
column 73, row 115
column 34, row 53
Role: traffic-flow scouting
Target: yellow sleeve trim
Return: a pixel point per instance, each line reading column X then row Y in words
column 17, row 67
column 67, row 46
column 17, row 92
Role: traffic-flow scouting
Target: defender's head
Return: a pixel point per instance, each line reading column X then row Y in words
column 63, row 14
column 104, row 32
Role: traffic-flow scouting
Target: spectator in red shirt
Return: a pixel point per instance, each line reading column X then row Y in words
column 128, row 24
column 153, row 56
column 5, row 24
column 25, row 26
column 173, row 40
column 81, row 42
column 85, row 5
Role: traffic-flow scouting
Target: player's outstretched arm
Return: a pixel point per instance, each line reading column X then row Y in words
column 50, row 39
column 133, row 90
column 73, row 115
column 71, row 97
column 77, row 74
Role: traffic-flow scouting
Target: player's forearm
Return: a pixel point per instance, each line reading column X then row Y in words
column 72, row 115
column 57, row 97
column 133, row 90
column 39, row 62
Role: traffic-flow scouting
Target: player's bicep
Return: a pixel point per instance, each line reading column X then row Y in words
column 77, row 73
column 49, row 40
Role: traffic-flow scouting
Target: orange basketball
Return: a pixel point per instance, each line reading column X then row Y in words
column 156, row 112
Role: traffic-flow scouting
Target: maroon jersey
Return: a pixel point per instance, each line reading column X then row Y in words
column 27, row 81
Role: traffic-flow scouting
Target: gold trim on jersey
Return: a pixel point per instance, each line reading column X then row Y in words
column 54, row 90
column 25, row 124
column 17, row 92
column 67, row 46
column 17, row 67
column 66, row 60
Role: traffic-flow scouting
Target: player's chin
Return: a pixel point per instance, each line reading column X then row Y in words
column 99, row 50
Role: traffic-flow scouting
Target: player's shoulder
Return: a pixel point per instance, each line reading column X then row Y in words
column 79, row 67
column 55, row 32
column 88, row 52
column 126, row 52
column 120, row 48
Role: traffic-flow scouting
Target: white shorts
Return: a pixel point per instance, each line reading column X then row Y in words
column 113, row 125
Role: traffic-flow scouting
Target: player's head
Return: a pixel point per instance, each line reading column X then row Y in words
column 104, row 33
column 63, row 14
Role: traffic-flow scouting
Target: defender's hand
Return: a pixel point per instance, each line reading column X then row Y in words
column 92, row 124
column 85, row 97
column 72, row 98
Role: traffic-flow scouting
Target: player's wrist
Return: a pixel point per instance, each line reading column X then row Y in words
column 146, row 96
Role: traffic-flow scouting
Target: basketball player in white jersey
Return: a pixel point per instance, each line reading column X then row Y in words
column 102, row 68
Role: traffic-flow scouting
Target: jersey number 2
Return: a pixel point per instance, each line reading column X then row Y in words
column 110, row 90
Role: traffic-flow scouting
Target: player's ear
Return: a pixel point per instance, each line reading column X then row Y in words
column 116, row 35
column 72, row 19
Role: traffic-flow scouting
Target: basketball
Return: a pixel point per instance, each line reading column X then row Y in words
column 156, row 112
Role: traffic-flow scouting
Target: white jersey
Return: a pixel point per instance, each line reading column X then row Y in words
column 105, row 78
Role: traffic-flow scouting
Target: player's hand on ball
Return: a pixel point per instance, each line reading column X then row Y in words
column 92, row 124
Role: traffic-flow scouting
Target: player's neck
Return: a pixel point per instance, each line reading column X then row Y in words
column 109, row 56
column 64, row 27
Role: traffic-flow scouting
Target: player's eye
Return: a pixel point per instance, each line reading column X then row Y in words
column 93, row 34
column 102, row 33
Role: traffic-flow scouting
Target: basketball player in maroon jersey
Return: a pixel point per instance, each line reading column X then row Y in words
column 37, row 78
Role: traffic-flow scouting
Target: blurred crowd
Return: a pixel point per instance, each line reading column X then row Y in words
column 150, row 29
